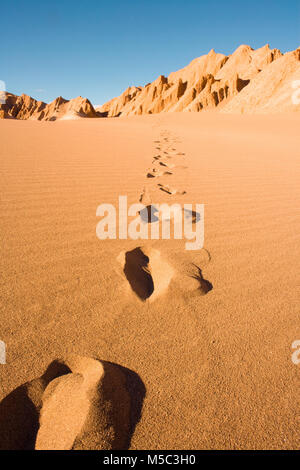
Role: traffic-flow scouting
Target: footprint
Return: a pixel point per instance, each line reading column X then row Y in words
column 189, row 279
column 168, row 165
column 156, row 174
column 137, row 272
column 195, row 216
column 148, row 274
column 145, row 197
column 153, row 170
column 204, row 285
column 158, row 157
column 166, row 189
column 78, row 403
column 169, row 190
column 66, row 404
column 148, row 214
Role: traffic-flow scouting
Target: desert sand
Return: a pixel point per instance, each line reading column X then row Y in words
column 162, row 348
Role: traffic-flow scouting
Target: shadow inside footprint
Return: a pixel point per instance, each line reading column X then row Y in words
column 137, row 273
column 19, row 411
column 192, row 215
column 135, row 393
column 204, row 285
column 31, row 414
column 148, row 214
column 115, row 413
column 19, row 421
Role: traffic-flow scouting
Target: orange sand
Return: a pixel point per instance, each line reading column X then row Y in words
column 216, row 368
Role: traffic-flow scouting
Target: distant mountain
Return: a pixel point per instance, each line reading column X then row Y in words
column 247, row 81
column 25, row 107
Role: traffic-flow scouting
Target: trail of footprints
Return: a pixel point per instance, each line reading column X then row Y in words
column 146, row 271
column 163, row 164
column 84, row 403
column 149, row 274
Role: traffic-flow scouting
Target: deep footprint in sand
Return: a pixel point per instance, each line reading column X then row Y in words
column 78, row 403
column 148, row 274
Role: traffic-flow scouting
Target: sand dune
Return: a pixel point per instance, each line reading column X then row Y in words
column 195, row 345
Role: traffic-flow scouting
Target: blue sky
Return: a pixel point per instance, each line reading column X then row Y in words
column 98, row 48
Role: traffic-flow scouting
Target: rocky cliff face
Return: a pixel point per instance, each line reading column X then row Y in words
column 272, row 89
column 208, row 82
column 20, row 107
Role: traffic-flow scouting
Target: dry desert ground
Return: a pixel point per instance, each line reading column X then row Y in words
column 205, row 353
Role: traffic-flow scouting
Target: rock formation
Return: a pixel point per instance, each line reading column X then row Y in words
column 25, row 107
column 214, row 81
column 246, row 81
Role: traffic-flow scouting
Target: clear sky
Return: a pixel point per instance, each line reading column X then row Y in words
column 97, row 48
